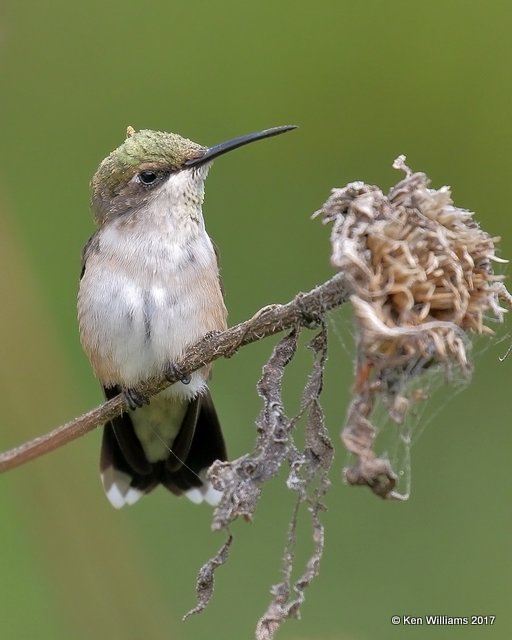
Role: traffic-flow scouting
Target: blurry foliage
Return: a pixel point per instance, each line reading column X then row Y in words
column 365, row 81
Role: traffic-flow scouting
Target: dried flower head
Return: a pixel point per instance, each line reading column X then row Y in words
column 421, row 279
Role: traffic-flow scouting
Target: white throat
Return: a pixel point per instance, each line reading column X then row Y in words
column 179, row 200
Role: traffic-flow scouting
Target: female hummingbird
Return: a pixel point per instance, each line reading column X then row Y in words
column 150, row 288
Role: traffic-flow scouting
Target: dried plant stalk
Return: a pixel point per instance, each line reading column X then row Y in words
column 241, row 480
column 420, row 275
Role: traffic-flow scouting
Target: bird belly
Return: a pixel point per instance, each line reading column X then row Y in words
column 133, row 328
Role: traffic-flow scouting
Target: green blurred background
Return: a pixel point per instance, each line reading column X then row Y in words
column 365, row 81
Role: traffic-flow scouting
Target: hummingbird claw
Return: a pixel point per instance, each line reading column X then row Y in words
column 310, row 319
column 210, row 334
column 134, row 398
column 173, row 372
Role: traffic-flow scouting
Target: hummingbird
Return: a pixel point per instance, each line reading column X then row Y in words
column 149, row 288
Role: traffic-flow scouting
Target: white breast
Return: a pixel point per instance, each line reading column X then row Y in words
column 150, row 290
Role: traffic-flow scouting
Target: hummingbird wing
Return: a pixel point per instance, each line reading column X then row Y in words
column 217, row 257
column 90, row 245
column 127, row 474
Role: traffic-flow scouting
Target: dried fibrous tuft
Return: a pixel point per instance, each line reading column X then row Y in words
column 421, row 279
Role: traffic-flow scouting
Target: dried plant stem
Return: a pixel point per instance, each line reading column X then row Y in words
column 306, row 309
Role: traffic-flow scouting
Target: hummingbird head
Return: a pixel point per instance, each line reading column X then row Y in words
column 131, row 175
column 139, row 169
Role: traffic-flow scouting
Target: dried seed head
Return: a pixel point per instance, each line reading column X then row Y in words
column 421, row 278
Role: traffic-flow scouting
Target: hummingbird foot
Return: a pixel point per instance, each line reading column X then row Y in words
column 210, row 334
column 134, row 398
column 174, row 373
column 309, row 319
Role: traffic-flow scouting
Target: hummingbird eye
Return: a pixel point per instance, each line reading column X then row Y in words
column 147, row 177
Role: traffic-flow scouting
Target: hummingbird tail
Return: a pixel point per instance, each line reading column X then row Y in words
column 127, row 474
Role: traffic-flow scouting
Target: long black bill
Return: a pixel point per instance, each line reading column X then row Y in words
column 219, row 149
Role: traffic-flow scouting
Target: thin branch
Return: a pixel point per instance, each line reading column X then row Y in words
column 206, row 578
column 309, row 477
column 241, row 481
column 306, row 309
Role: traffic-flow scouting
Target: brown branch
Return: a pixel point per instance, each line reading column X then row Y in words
column 306, row 309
